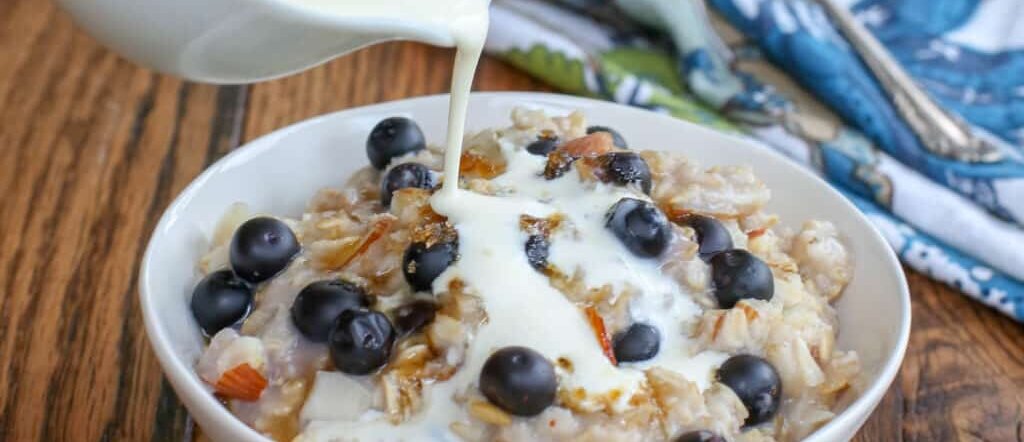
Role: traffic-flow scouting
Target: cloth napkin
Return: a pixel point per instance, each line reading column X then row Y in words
column 778, row 71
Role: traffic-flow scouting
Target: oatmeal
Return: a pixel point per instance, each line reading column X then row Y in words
column 568, row 288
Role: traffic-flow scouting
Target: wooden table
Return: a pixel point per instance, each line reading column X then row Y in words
column 93, row 148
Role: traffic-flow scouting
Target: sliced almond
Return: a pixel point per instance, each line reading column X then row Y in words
column 597, row 143
column 336, row 254
column 597, row 323
column 756, row 232
column 241, row 382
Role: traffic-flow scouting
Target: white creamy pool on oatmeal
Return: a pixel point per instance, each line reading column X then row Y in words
column 565, row 285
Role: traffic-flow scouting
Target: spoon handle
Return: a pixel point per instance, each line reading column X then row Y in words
column 939, row 131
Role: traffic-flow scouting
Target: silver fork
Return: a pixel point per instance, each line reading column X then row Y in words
column 941, row 132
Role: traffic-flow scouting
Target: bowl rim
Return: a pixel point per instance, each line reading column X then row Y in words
column 198, row 399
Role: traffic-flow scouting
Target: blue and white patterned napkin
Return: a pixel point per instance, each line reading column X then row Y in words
column 777, row 70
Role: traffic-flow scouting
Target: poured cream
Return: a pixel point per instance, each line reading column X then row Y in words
column 522, row 307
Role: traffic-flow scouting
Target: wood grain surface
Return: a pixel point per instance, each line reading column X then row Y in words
column 94, row 148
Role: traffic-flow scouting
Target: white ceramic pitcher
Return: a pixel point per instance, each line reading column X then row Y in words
column 242, row 41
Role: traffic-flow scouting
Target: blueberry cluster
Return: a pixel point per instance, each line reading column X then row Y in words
column 338, row 312
column 335, row 312
column 360, row 339
column 260, row 249
column 737, row 275
column 392, row 138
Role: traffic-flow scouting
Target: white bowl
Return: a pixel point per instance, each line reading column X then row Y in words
column 278, row 174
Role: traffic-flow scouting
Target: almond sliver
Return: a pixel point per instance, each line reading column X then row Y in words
column 241, row 382
column 597, row 323
column 595, row 144
column 342, row 251
column 379, row 228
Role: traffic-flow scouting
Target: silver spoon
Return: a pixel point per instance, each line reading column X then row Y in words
column 941, row 132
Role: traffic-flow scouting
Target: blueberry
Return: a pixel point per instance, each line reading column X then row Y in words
column 617, row 139
column 412, row 317
column 625, row 168
column 519, row 380
column 543, row 146
column 537, row 251
column 738, row 275
column 318, row 305
column 700, row 436
column 404, row 176
column 756, row 383
column 639, row 342
column 261, row 248
column 712, row 236
column 360, row 341
column 641, row 227
column 392, row 138
column 219, row 301
column 422, row 264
